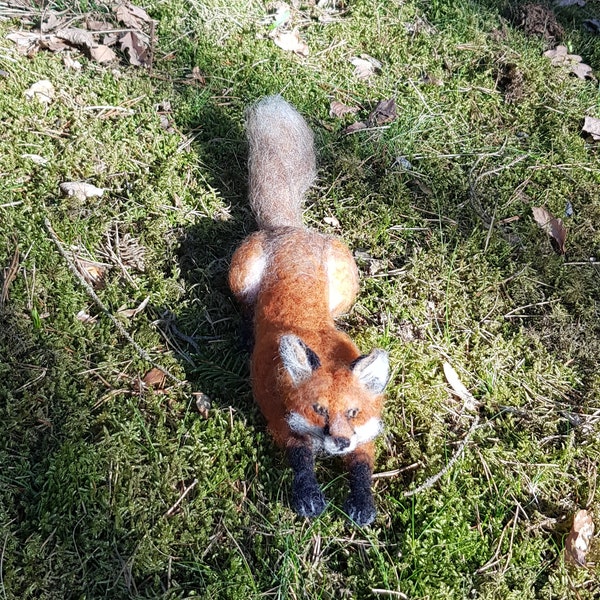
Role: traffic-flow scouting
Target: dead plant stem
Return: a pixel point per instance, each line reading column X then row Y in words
column 428, row 483
column 92, row 294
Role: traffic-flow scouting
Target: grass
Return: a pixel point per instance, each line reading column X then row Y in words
column 453, row 268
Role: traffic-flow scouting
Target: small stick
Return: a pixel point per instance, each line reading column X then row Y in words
column 394, row 593
column 92, row 294
column 10, row 274
column 434, row 478
column 395, row 472
column 187, row 490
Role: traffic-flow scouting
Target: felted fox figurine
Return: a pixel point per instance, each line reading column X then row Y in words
column 315, row 389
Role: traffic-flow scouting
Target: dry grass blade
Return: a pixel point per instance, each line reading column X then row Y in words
column 10, row 274
column 124, row 251
column 390, row 593
column 18, row 9
column 185, row 492
column 459, row 388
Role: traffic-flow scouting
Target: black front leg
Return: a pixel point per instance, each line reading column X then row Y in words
column 359, row 505
column 307, row 498
column 246, row 330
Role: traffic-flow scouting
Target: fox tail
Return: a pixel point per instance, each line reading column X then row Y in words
column 281, row 162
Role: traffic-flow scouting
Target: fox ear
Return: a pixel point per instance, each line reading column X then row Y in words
column 372, row 370
column 298, row 359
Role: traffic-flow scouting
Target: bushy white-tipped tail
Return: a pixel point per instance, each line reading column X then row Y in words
column 281, row 162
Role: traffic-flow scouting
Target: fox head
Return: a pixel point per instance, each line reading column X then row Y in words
column 336, row 405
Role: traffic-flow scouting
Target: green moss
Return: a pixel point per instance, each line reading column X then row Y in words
column 436, row 206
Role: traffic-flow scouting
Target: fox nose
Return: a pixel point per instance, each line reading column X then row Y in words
column 341, row 443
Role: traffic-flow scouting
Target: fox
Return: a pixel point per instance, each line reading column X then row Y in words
column 317, row 392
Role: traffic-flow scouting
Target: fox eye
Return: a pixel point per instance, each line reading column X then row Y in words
column 352, row 413
column 320, row 410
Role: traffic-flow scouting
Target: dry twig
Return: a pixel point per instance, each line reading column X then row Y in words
column 92, row 294
column 10, row 274
column 434, row 478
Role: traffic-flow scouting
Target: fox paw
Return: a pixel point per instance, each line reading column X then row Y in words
column 308, row 500
column 360, row 508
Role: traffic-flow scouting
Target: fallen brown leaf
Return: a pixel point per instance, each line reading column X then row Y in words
column 50, row 22
column 384, row 112
column 53, row 43
column 291, row 42
column 85, row 317
column 36, row 158
column 102, row 54
column 42, row 91
column 560, row 57
column 71, row 63
column 24, row 40
column 423, row 187
column 339, row 109
column 132, row 16
column 365, row 66
column 93, row 272
column 578, row 541
column 428, row 79
column 358, row 126
column 95, row 25
column 110, row 39
column 196, row 76
column 582, row 70
column 155, row 379
column 80, row 189
column 77, row 37
column 332, row 221
column 591, row 126
column 136, row 48
column 554, row 227
column 166, row 124
column 203, row 403
column 403, row 163
column 132, row 312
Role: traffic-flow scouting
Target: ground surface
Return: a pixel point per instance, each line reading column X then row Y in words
column 115, row 488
